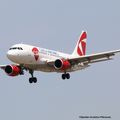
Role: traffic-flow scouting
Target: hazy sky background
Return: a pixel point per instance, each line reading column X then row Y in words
column 56, row 25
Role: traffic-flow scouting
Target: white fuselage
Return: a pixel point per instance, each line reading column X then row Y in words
column 34, row 59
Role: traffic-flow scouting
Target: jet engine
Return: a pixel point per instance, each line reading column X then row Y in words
column 12, row 70
column 62, row 64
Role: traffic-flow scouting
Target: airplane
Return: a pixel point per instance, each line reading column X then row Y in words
column 31, row 58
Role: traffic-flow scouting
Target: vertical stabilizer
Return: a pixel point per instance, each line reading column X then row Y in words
column 80, row 49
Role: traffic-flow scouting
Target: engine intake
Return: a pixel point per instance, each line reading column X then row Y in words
column 12, row 70
column 62, row 64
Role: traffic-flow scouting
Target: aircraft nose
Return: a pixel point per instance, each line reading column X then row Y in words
column 11, row 54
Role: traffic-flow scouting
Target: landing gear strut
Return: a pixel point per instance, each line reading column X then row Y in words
column 32, row 79
column 65, row 75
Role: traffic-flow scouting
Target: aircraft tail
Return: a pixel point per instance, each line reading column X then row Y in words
column 80, row 49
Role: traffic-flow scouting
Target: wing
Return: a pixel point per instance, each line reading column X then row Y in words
column 94, row 57
column 3, row 66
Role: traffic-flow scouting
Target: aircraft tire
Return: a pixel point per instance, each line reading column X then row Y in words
column 30, row 80
column 63, row 76
column 68, row 76
column 34, row 79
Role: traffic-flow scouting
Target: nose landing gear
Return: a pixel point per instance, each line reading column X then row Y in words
column 32, row 79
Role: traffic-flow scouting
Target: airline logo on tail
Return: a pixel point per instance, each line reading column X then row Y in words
column 81, row 48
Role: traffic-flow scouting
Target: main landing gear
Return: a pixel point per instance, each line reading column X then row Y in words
column 65, row 76
column 32, row 79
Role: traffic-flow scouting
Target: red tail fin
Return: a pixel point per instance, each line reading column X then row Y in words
column 80, row 48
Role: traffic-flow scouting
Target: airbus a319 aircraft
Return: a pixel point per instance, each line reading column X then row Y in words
column 32, row 58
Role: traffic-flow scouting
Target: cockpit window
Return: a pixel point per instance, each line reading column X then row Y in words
column 14, row 48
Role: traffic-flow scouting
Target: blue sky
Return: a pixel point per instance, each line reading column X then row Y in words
column 56, row 25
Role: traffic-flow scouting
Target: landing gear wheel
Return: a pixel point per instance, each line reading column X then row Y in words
column 35, row 80
column 66, row 75
column 63, row 76
column 32, row 79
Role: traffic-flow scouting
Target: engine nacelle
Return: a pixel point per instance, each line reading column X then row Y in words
column 12, row 70
column 62, row 64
